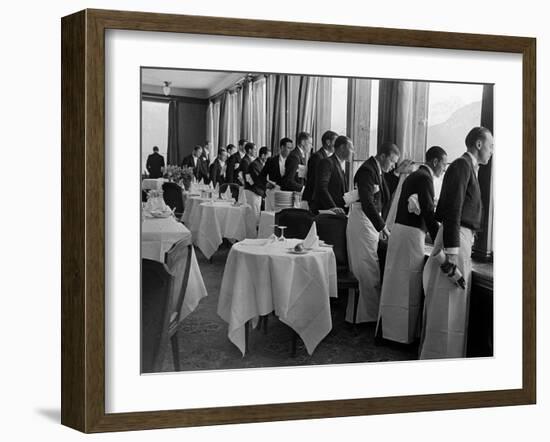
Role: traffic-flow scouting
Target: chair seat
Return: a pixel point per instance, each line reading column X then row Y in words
column 346, row 280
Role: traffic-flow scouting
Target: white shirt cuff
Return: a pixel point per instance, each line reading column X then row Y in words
column 451, row 250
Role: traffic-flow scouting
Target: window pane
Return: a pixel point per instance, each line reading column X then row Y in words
column 453, row 110
column 339, row 114
column 154, row 129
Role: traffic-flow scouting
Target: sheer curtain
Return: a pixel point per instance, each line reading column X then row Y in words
column 259, row 112
column 210, row 131
column 247, row 111
column 403, row 116
column 216, row 124
column 323, row 105
column 358, row 124
column 307, row 103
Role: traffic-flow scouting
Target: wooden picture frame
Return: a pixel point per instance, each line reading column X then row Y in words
column 83, row 220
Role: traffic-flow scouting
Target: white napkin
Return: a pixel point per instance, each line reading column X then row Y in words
column 351, row 197
column 301, row 171
column 217, row 190
column 201, row 182
column 242, row 198
column 249, row 179
column 253, row 242
column 227, row 194
column 413, row 204
column 312, row 240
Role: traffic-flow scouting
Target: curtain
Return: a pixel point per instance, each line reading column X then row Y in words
column 216, row 124
column 292, row 100
column 270, row 81
column 210, row 131
column 175, row 133
column 403, row 116
column 358, row 124
column 224, row 119
column 259, row 112
column 279, row 110
column 247, row 115
column 307, row 102
column 323, row 106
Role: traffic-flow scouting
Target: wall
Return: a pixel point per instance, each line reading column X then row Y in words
column 193, row 120
column 30, row 381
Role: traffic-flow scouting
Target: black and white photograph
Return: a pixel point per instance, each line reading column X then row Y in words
column 295, row 220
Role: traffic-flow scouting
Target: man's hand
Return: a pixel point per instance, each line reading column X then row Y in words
column 404, row 166
column 453, row 259
column 338, row 211
column 385, row 234
column 270, row 185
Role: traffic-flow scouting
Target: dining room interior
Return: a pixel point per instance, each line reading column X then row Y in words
column 244, row 261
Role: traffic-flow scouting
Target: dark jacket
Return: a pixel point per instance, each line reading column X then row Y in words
column 291, row 182
column 233, row 166
column 215, row 173
column 312, row 166
column 272, row 171
column 375, row 205
column 331, row 184
column 420, row 183
column 243, row 167
column 255, row 171
column 155, row 162
column 200, row 167
column 460, row 201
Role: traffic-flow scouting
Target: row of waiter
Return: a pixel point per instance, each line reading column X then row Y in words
column 395, row 304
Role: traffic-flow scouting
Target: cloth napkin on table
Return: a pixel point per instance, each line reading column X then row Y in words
column 351, row 197
column 312, row 240
column 242, row 197
column 227, row 194
column 217, row 191
column 413, row 204
column 201, row 182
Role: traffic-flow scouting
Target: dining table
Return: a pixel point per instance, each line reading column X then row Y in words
column 210, row 221
column 157, row 237
column 267, row 275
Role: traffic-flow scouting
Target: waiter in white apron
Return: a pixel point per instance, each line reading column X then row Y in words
column 365, row 226
column 444, row 331
column 399, row 317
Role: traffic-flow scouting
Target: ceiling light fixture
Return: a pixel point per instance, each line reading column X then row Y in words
column 166, row 88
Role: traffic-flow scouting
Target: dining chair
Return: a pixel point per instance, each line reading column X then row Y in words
column 234, row 189
column 157, row 284
column 173, row 197
column 332, row 230
column 297, row 222
column 178, row 261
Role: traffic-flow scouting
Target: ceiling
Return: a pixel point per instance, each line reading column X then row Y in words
column 208, row 83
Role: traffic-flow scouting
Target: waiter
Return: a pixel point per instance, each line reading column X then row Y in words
column 273, row 172
column 399, row 315
column 255, row 183
column 155, row 164
column 331, row 178
column 295, row 164
column 326, row 150
column 365, row 226
column 444, row 332
column 234, row 164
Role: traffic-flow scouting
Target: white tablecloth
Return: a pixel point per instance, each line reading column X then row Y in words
column 157, row 236
column 152, row 183
column 212, row 221
column 267, row 220
column 261, row 278
column 191, row 205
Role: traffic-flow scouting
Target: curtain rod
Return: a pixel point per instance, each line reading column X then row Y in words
column 238, row 84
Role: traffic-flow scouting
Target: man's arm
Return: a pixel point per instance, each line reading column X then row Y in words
column 291, row 168
column 365, row 187
column 427, row 209
column 324, row 173
column 453, row 192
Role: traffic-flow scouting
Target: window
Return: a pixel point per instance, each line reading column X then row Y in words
column 154, row 124
column 339, row 110
column 453, row 110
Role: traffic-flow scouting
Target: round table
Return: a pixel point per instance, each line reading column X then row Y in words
column 157, row 236
column 262, row 276
column 212, row 221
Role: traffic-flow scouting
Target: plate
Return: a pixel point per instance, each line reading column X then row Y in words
column 294, row 252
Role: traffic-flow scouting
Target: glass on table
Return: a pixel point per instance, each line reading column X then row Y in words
column 282, row 229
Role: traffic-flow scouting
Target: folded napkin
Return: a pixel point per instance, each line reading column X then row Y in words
column 227, row 194
column 413, row 204
column 302, row 171
column 351, row 197
column 253, row 242
column 217, row 190
column 312, row 240
column 249, row 179
column 242, row 197
column 201, row 182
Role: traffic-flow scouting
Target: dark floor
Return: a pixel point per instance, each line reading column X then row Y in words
column 204, row 344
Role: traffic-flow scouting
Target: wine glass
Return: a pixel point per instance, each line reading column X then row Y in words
column 282, row 229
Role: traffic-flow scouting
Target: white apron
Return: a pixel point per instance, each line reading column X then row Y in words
column 362, row 239
column 255, row 201
column 399, row 314
column 270, row 200
column 444, row 331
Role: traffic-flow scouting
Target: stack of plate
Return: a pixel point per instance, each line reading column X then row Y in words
column 283, row 200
